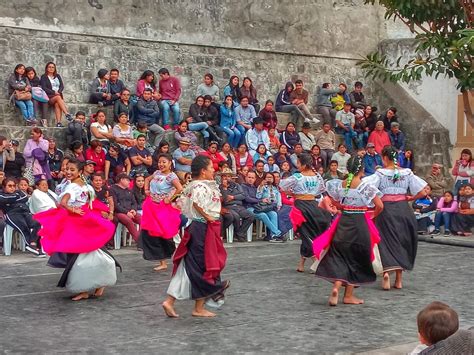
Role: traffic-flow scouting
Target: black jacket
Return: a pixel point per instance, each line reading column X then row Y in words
column 14, row 202
column 46, row 85
column 15, row 168
column 250, row 193
column 124, row 199
column 232, row 190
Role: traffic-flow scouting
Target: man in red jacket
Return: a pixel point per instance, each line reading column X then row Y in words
column 170, row 90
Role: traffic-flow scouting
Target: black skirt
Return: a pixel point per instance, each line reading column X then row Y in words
column 348, row 257
column 399, row 238
column 462, row 222
column 156, row 248
column 317, row 221
column 195, row 264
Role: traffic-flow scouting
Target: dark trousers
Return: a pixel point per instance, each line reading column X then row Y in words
column 240, row 217
column 25, row 224
column 97, row 97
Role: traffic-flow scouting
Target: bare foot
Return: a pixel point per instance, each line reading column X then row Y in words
column 397, row 285
column 99, row 292
column 300, row 267
column 203, row 313
column 160, row 267
column 169, row 310
column 81, row 296
column 334, row 298
column 386, row 282
column 352, row 300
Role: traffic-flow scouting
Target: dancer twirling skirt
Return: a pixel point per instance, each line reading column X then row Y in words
column 348, row 250
column 397, row 223
column 200, row 257
column 78, row 229
column 161, row 219
column 308, row 219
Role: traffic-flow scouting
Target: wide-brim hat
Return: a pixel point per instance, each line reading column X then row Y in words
column 227, row 171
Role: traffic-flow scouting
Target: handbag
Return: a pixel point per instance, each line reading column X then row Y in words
column 22, row 95
column 28, row 174
column 263, row 207
column 39, row 94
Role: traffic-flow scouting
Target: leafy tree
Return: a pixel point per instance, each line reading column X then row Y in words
column 445, row 44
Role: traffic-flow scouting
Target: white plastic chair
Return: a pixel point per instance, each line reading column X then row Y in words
column 229, row 232
column 12, row 238
column 291, row 234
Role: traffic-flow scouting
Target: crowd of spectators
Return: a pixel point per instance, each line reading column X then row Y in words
column 241, row 137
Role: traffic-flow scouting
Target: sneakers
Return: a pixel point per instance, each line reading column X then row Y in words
column 69, row 117
column 276, row 240
column 307, row 120
column 31, row 122
column 167, row 127
column 315, row 120
column 59, row 125
column 32, row 250
column 100, row 104
column 215, row 304
column 435, row 232
column 447, row 233
column 42, row 255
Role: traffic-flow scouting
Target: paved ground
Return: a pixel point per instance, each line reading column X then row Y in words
column 270, row 308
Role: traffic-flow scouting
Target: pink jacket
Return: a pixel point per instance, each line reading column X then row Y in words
column 380, row 140
column 141, row 87
column 452, row 209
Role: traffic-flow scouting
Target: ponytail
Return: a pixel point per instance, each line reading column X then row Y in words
column 354, row 166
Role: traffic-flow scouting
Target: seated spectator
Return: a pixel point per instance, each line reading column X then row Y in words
column 289, row 137
column 406, row 159
column 425, row 210
column 397, row 138
column 163, row 148
column 126, row 205
column 211, row 117
column 326, row 139
column 101, row 130
column 99, row 89
column 379, row 137
column 36, row 156
column 39, row 97
column 283, row 103
column 233, row 90
column 316, row 156
column 299, row 98
column 437, row 181
column 263, row 209
column 357, row 97
column 53, row 86
column 270, row 166
column 14, row 168
column 76, row 151
column 229, row 157
column 342, row 157
column 274, row 138
column 196, row 120
column 25, row 187
column 213, row 154
column 256, row 136
column 333, row 172
column 324, row 105
column 261, row 153
column 55, row 158
column 244, row 114
column 241, row 174
column 103, row 195
column 233, row 212
column 88, row 171
column 447, row 206
column 307, row 139
column 42, row 199
column 122, row 132
column 345, row 121
column 116, row 162
column 259, row 172
column 124, row 105
column 138, row 191
column 229, row 122
column 247, row 90
column 19, row 89
column 140, row 157
column 196, row 110
column 208, row 87
column 436, row 323
column 294, row 157
column 341, row 98
column 116, row 86
column 76, row 129
column 97, row 154
column 463, row 170
column 463, row 221
column 388, row 117
column 148, row 81
column 6, row 152
column 282, row 155
column 370, row 118
column 182, row 132
column 243, row 157
column 170, row 90
column 148, row 112
column 285, row 169
column 268, row 115
column 372, row 160
column 361, row 129
column 183, row 156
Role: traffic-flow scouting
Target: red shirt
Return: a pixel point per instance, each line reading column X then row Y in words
column 99, row 159
column 380, row 140
column 215, row 158
column 170, row 89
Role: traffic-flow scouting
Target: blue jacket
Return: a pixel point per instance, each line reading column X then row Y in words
column 227, row 117
column 147, row 111
column 254, row 138
column 397, row 140
column 370, row 162
column 250, row 193
column 283, row 97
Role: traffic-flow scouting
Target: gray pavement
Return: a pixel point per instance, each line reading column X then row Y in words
column 269, row 308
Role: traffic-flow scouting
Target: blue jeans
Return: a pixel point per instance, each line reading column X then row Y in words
column 269, row 219
column 242, row 131
column 348, row 136
column 361, row 139
column 233, row 136
column 165, row 108
column 26, row 108
column 443, row 218
column 201, row 127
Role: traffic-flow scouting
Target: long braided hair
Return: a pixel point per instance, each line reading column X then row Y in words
column 392, row 155
column 354, row 166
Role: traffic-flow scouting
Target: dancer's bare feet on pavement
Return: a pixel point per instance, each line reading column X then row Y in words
column 334, row 298
column 203, row 313
column 386, row 281
column 81, row 296
column 300, row 267
column 353, row 300
column 169, row 310
column 99, row 292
